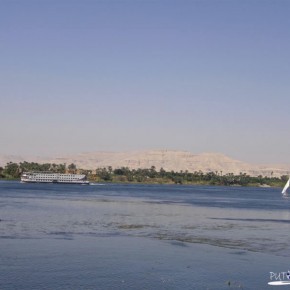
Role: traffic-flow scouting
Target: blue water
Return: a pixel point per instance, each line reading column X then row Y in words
column 141, row 236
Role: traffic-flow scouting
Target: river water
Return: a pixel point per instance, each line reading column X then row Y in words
column 111, row 236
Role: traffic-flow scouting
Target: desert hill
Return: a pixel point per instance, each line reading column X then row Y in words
column 167, row 159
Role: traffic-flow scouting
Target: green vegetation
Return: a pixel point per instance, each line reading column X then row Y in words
column 150, row 175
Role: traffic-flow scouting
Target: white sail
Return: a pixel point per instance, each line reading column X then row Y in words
column 286, row 187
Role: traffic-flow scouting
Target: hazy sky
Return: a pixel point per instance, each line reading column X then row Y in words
column 200, row 76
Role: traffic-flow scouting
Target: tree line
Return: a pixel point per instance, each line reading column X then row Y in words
column 14, row 170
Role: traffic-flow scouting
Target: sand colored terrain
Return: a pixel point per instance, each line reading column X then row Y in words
column 167, row 159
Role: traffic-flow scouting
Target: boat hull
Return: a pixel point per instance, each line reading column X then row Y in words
column 56, row 182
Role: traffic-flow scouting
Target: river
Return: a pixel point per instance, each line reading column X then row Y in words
column 125, row 236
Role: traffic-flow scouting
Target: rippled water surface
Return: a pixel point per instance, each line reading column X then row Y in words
column 141, row 236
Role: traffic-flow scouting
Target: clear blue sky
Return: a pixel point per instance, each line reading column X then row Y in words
column 200, row 76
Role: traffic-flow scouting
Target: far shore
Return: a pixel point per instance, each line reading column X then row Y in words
column 152, row 175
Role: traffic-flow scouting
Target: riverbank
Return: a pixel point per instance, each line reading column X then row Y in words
column 170, row 182
column 146, row 175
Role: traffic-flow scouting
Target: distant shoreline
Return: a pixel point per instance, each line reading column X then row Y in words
column 13, row 171
column 162, row 183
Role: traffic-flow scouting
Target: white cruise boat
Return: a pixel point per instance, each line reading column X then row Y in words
column 50, row 177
